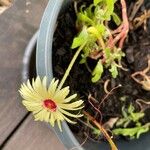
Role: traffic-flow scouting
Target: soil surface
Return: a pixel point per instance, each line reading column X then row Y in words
column 137, row 49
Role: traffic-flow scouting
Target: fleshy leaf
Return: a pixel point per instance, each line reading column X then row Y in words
column 84, row 18
column 80, row 39
column 96, row 2
column 97, row 72
column 132, row 132
column 110, row 9
column 116, row 19
column 113, row 70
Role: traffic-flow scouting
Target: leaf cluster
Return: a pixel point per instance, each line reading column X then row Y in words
column 93, row 29
column 134, row 132
column 129, row 117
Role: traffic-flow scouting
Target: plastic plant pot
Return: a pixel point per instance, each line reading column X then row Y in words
column 44, row 67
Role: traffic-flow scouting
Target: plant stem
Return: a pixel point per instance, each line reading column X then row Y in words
column 101, row 42
column 112, row 144
column 70, row 65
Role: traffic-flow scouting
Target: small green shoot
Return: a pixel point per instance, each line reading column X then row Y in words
column 101, row 43
column 134, row 132
column 129, row 116
column 97, row 72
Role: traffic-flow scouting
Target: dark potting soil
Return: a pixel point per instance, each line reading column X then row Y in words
column 137, row 49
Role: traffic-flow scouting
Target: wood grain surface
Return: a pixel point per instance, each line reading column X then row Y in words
column 17, row 25
column 34, row 136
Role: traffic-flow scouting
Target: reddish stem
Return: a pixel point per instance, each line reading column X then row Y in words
column 122, row 30
column 112, row 144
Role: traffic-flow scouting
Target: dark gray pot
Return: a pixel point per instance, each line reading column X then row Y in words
column 44, row 67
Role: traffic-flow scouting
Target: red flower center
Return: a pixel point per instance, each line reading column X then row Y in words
column 50, row 104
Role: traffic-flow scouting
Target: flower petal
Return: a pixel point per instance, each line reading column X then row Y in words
column 31, row 106
column 52, row 87
column 72, row 105
column 38, row 87
column 59, row 125
column 60, row 95
column 70, row 98
column 44, row 83
column 47, row 116
column 27, row 94
column 68, row 120
column 59, row 118
column 52, row 119
column 67, row 108
column 41, row 115
column 70, row 114
column 34, row 96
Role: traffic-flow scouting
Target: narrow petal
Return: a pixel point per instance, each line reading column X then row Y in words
column 39, row 89
column 52, row 119
column 60, row 118
column 70, row 98
column 29, row 94
column 70, row 114
column 68, row 108
column 31, row 106
column 41, row 115
column 59, row 125
column 36, row 111
column 72, row 105
column 47, row 116
column 52, row 87
column 29, row 85
column 44, row 82
column 61, row 94
column 68, row 120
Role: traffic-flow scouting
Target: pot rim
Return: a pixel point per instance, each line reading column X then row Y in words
column 44, row 67
column 44, row 63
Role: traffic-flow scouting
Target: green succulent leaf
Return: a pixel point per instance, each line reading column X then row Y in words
column 97, row 132
column 101, row 29
column 129, row 116
column 94, row 31
column 137, row 116
column 80, row 39
column 116, row 19
column 83, row 59
column 89, row 11
column 110, row 9
column 93, row 18
column 113, row 70
column 96, row 2
column 132, row 132
column 99, row 14
column 107, row 53
column 124, row 113
column 82, row 17
column 131, row 109
column 97, row 72
column 123, row 122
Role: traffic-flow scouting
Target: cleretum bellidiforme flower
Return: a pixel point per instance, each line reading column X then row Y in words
column 50, row 104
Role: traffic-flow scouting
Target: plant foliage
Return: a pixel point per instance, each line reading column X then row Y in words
column 92, row 25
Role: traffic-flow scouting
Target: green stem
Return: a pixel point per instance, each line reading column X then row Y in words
column 70, row 65
column 101, row 42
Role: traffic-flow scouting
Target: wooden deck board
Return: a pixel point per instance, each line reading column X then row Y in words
column 34, row 136
column 16, row 29
column 17, row 26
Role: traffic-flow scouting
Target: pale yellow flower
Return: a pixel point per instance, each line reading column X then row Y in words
column 49, row 104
